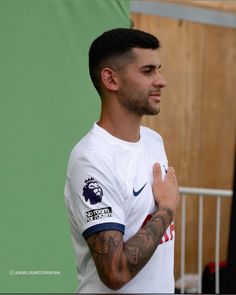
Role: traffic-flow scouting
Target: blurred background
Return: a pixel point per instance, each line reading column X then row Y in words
column 48, row 103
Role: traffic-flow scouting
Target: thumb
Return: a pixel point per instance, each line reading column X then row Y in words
column 157, row 174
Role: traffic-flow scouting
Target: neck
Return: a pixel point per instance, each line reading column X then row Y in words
column 120, row 123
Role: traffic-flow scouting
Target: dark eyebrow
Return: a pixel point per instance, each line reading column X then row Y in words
column 150, row 67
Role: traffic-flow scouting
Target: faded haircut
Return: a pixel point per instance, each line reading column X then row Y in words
column 114, row 48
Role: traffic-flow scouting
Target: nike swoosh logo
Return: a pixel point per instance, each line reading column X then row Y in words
column 136, row 193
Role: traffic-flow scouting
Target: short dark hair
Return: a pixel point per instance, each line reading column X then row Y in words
column 116, row 43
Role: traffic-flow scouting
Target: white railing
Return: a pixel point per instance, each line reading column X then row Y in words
column 201, row 192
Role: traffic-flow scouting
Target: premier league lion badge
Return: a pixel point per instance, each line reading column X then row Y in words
column 92, row 191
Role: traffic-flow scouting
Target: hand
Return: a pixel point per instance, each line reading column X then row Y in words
column 165, row 191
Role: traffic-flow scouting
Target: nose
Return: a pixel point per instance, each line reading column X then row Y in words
column 159, row 81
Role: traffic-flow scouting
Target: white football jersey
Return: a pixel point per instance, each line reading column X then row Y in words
column 109, row 187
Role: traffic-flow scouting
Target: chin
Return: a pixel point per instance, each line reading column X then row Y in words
column 153, row 112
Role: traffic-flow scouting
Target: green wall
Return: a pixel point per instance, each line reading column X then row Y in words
column 47, row 103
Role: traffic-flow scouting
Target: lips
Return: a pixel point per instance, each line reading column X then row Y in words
column 156, row 96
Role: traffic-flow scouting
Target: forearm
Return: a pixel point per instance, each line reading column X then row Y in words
column 118, row 262
column 139, row 249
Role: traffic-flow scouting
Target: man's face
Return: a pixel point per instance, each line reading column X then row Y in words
column 140, row 83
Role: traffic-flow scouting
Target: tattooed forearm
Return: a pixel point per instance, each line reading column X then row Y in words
column 118, row 262
column 139, row 249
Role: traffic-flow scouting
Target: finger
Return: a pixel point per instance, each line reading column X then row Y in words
column 171, row 173
column 171, row 170
column 157, row 174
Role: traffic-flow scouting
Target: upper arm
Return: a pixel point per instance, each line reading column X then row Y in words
column 106, row 248
column 98, row 201
column 96, row 195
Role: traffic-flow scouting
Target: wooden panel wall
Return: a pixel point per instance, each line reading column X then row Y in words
column 225, row 5
column 197, row 120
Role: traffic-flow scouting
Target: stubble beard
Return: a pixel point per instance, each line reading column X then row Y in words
column 138, row 104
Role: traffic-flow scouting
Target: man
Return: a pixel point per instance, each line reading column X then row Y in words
column 120, row 194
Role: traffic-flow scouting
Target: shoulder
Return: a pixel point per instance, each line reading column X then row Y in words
column 89, row 149
column 150, row 134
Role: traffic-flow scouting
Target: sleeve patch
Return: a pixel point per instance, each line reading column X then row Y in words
column 96, row 214
column 92, row 191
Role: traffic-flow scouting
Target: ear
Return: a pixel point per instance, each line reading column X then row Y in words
column 109, row 79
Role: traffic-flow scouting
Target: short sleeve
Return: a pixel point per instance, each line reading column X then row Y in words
column 97, row 194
